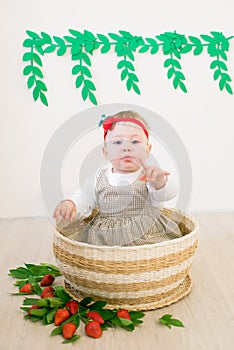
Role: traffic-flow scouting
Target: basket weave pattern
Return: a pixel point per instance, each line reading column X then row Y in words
column 137, row 277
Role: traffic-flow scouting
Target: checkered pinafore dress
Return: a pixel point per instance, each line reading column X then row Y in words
column 126, row 216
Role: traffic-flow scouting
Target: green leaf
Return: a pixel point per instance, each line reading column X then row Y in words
column 168, row 321
column 86, row 301
column 170, row 72
column 198, row 50
column 103, row 38
column 124, row 74
column 88, row 46
column 54, row 302
column 136, row 314
column 175, row 82
column 27, row 70
column 182, row 86
column 72, row 340
column 56, row 331
column 130, row 55
column 129, row 84
column 46, row 37
column 133, row 77
column 216, row 74
column 92, row 98
column 50, row 316
column 39, row 312
column 38, row 72
column 86, row 59
column 76, row 49
column 62, row 294
column 20, row 272
column 105, row 48
column 61, row 51
column 32, row 34
column 168, row 62
column 28, row 43
column 50, row 48
column 89, row 35
column 228, row 88
column 39, row 50
column 79, row 81
column 86, row 71
column 76, row 69
column 43, row 98
column 41, row 85
column 221, row 84
column 90, row 84
column 136, row 88
column 195, row 40
column 206, row 37
column 84, row 93
column 76, row 33
column 43, row 302
column 28, row 56
column 98, row 305
column 36, row 92
column 30, row 301
column 144, row 48
column 166, row 47
column 129, row 65
column 223, row 55
column 121, row 64
column 186, row 48
column 37, row 59
column 115, row 37
column 31, row 81
column 125, row 34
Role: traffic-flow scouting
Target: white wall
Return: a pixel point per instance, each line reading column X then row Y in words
column 203, row 118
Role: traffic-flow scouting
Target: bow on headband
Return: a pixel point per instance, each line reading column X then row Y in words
column 109, row 121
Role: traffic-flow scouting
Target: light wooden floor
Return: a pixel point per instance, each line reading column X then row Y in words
column 207, row 312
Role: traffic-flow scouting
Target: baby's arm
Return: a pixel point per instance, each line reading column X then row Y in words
column 81, row 203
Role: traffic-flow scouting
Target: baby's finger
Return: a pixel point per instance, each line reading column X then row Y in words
column 142, row 178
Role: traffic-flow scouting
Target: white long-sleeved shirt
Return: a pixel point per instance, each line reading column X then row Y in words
column 85, row 198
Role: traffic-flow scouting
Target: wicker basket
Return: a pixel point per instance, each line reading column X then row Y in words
column 138, row 277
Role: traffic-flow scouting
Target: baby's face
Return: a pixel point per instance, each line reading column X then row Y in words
column 125, row 146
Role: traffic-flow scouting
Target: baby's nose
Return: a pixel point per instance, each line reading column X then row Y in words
column 127, row 147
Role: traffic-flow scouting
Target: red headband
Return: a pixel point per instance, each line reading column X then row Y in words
column 108, row 122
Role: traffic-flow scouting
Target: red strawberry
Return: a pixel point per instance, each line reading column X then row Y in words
column 95, row 316
column 61, row 316
column 47, row 280
column 32, row 308
column 27, row 288
column 122, row 313
column 72, row 306
column 93, row 329
column 68, row 330
column 47, row 295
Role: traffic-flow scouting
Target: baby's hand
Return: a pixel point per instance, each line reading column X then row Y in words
column 66, row 209
column 153, row 174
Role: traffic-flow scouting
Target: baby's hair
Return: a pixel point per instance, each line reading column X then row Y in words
column 131, row 114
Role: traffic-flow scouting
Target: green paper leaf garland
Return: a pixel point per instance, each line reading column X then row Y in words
column 126, row 46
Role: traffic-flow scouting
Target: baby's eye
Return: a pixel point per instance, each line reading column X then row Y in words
column 135, row 141
column 118, row 142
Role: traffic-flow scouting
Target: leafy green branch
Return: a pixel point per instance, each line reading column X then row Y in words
column 218, row 46
column 174, row 45
column 32, row 69
column 82, row 46
column 125, row 46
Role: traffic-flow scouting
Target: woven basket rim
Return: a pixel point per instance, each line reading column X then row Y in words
column 145, row 246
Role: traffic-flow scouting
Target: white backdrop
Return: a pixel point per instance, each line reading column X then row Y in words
column 203, row 118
